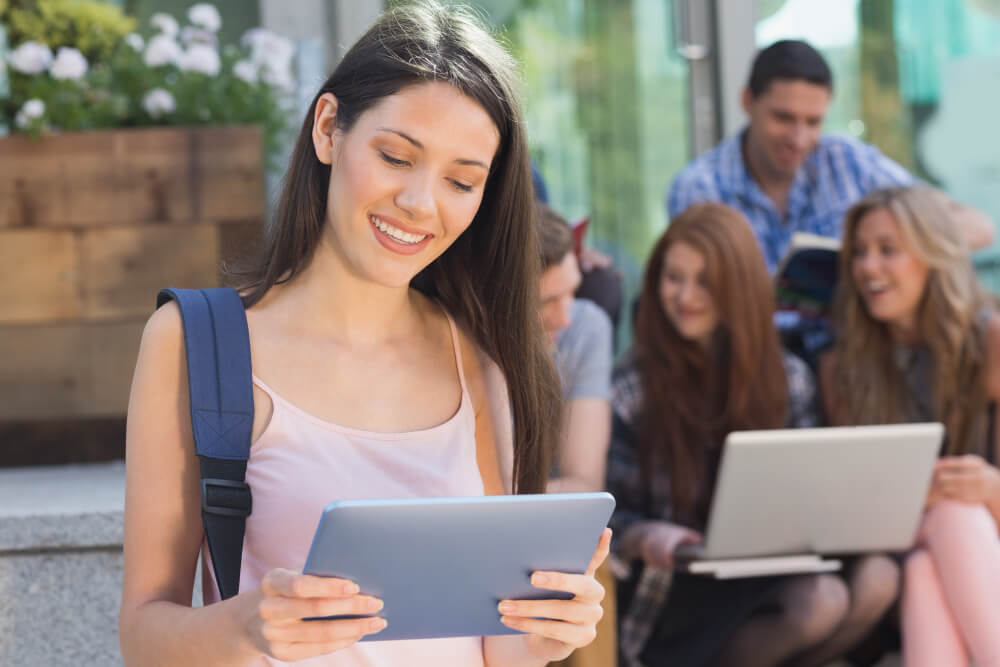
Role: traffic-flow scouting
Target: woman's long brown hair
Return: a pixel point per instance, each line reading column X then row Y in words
column 693, row 397
column 488, row 279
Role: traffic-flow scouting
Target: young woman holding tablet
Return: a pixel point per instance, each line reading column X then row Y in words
column 394, row 295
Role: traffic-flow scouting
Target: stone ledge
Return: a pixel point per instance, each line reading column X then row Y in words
column 70, row 532
column 70, row 507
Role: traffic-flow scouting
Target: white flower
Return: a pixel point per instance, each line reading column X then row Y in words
column 31, row 58
column 251, row 36
column 158, row 102
column 136, row 41
column 205, row 16
column 165, row 23
column 31, row 110
column 69, row 64
column 273, row 55
column 246, row 70
column 279, row 78
column 268, row 48
column 201, row 58
column 162, row 50
column 191, row 35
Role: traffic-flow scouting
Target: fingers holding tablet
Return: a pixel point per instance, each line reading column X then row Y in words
column 601, row 553
column 556, row 627
column 289, row 583
column 288, row 621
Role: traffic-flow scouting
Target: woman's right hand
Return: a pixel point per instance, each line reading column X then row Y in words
column 661, row 540
column 274, row 623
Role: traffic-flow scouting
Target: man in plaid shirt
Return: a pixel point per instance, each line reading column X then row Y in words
column 781, row 171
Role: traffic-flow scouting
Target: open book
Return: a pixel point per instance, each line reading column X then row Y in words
column 807, row 275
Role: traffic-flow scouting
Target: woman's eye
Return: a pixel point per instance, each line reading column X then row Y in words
column 462, row 187
column 396, row 162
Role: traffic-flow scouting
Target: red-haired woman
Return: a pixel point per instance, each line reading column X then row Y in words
column 707, row 361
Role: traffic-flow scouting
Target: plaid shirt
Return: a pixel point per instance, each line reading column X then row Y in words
column 840, row 171
column 632, row 498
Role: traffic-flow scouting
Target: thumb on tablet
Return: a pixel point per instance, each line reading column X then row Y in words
column 601, row 553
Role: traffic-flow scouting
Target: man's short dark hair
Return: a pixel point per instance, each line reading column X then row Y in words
column 788, row 60
column 554, row 234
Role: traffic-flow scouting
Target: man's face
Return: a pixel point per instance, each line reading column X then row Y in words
column 786, row 121
column 558, row 284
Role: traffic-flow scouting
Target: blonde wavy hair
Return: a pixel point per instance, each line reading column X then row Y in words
column 868, row 381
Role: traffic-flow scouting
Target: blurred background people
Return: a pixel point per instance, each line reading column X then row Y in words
column 707, row 361
column 580, row 335
column 781, row 171
column 918, row 339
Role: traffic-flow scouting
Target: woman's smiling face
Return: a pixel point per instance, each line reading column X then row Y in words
column 886, row 273
column 684, row 293
column 406, row 179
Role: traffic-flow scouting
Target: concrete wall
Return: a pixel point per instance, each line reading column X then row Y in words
column 60, row 564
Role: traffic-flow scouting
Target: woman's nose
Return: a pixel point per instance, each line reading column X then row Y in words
column 417, row 196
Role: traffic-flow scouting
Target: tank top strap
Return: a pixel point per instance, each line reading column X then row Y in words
column 456, row 343
column 273, row 395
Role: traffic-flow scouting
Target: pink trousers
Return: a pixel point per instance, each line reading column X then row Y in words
column 951, row 590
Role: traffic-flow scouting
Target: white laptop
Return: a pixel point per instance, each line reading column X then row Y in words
column 784, row 498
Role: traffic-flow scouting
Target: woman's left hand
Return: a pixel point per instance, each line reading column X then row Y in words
column 557, row 627
column 968, row 479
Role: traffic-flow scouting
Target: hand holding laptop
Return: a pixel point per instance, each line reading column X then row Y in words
column 662, row 539
column 969, row 479
column 785, row 498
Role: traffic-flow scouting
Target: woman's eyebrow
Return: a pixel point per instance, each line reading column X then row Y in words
column 404, row 135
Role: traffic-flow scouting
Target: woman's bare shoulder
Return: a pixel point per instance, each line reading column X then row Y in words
column 161, row 350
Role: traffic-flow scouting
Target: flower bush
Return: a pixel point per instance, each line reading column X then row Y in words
column 79, row 65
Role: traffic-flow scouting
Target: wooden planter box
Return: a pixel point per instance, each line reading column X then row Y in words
column 91, row 225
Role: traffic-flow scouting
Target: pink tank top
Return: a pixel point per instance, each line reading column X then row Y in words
column 300, row 463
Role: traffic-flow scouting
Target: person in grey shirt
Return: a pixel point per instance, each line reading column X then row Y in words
column 581, row 337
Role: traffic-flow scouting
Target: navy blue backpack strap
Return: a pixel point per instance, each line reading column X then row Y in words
column 221, row 388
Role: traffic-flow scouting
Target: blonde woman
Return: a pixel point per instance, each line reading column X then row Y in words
column 919, row 340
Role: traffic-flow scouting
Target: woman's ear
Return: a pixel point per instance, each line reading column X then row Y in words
column 324, row 127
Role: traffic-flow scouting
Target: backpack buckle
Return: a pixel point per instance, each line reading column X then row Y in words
column 225, row 497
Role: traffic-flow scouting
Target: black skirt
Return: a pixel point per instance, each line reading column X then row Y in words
column 701, row 614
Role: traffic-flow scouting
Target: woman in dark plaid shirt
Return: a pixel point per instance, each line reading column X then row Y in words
column 707, row 361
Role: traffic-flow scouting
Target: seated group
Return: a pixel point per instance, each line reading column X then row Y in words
column 917, row 338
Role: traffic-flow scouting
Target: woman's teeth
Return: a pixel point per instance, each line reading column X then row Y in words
column 876, row 287
column 397, row 234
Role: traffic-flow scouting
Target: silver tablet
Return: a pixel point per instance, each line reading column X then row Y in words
column 442, row 564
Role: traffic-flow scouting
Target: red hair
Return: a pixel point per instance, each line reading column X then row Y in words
column 693, row 397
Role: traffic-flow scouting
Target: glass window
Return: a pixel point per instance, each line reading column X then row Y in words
column 606, row 103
